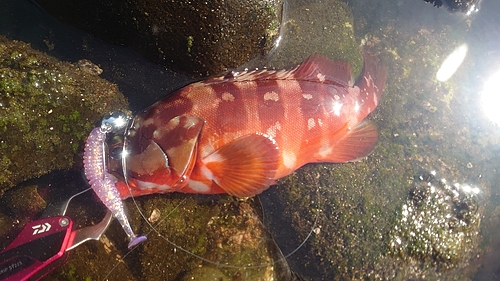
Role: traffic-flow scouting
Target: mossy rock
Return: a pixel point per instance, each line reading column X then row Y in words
column 317, row 28
column 197, row 38
column 47, row 108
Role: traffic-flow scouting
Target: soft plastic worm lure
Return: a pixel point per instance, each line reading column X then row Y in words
column 101, row 181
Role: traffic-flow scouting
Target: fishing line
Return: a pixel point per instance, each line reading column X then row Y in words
column 283, row 258
column 147, row 234
column 312, row 228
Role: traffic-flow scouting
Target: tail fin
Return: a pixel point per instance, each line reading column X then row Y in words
column 373, row 77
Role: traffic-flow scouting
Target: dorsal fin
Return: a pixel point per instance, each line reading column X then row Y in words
column 316, row 68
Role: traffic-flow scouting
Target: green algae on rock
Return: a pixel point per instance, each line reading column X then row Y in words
column 325, row 28
column 219, row 232
column 226, row 232
column 47, row 107
column 205, row 274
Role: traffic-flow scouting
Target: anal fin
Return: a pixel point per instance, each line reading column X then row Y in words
column 244, row 167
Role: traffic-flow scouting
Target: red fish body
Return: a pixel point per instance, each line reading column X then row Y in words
column 239, row 133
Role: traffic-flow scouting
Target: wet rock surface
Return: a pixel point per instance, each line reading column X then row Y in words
column 23, row 201
column 46, row 109
column 205, row 273
column 196, row 38
column 438, row 224
column 424, row 126
column 195, row 237
column 315, row 28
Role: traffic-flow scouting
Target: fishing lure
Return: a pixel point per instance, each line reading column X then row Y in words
column 103, row 183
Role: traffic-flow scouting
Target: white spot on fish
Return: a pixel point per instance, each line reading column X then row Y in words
column 320, row 77
column 325, row 150
column 226, row 96
column 307, row 96
column 271, row 131
column 271, row 96
column 214, row 157
column 157, row 134
column 174, row 122
column 198, row 186
column 310, row 123
column 206, row 173
column 356, row 107
column 320, row 123
column 147, row 122
column 336, row 97
column 205, row 150
column 152, row 185
column 289, row 159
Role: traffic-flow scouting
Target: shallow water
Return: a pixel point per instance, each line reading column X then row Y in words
column 364, row 227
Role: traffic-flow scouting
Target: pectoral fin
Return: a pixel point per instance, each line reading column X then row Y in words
column 244, row 167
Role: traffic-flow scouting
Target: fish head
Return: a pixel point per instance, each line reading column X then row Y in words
column 160, row 156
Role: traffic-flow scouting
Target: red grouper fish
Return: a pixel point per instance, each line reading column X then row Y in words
column 239, row 133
